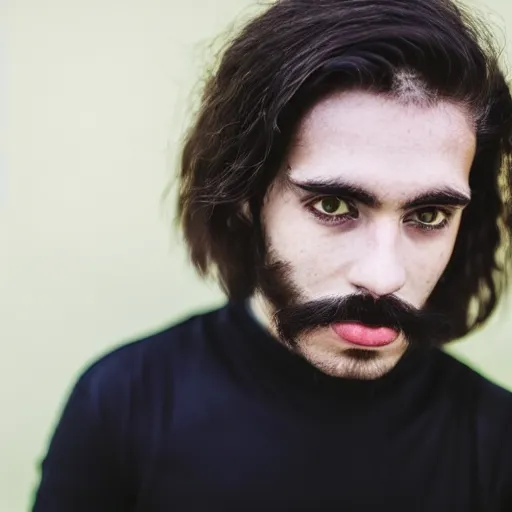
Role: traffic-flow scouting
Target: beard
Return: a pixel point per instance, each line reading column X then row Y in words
column 295, row 317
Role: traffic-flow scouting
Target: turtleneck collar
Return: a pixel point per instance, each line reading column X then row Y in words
column 290, row 375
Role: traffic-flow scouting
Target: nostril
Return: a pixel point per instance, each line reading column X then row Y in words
column 366, row 291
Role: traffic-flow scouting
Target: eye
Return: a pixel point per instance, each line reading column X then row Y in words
column 332, row 206
column 431, row 218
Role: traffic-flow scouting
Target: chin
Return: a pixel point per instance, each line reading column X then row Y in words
column 354, row 363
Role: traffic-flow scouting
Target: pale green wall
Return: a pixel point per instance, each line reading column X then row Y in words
column 97, row 90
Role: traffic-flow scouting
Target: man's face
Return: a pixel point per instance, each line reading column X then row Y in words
column 370, row 203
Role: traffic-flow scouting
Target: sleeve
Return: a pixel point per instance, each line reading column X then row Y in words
column 80, row 471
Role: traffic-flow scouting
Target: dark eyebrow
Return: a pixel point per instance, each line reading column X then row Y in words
column 339, row 189
column 447, row 196
column 440, row 197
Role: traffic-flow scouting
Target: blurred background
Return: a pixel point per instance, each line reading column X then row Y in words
column 95, row 95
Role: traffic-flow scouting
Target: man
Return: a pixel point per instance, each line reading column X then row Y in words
column 348, row 181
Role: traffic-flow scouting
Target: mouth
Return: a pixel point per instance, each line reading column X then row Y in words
column 365, row 335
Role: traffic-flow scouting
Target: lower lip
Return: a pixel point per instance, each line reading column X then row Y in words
column 365, row 336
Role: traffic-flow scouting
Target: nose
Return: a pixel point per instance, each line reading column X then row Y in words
column 380, row 270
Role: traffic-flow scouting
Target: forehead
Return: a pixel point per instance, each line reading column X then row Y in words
column 378, row 142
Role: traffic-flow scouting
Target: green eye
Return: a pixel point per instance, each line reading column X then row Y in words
column 332, row 206
column 430, row 216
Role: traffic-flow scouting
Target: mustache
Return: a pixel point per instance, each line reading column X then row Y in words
column 420, row 326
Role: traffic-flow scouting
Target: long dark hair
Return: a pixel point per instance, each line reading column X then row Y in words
column 284, row 60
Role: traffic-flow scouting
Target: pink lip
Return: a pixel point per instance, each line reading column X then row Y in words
column 365, row 336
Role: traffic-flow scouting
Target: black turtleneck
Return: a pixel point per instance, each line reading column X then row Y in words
column 215, row 415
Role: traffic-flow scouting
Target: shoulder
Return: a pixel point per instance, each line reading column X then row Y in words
column 488, row 404
column 490, row 397
column 147, row 365
column 491, row 418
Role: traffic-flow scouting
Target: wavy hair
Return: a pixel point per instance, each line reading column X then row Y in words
column 283, row 61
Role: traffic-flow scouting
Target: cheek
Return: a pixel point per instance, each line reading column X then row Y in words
column 284, row 226
column 317, row 256
column 424, row 275
column 292, row 241
column 294, row 238
column 428, row 265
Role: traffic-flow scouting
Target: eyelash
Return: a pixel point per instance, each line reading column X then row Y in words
column 347, row 217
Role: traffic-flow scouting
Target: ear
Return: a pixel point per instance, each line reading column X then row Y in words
column 244, row 213
column 240, row 217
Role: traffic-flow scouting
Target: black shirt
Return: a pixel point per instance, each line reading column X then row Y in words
column 215, row 415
